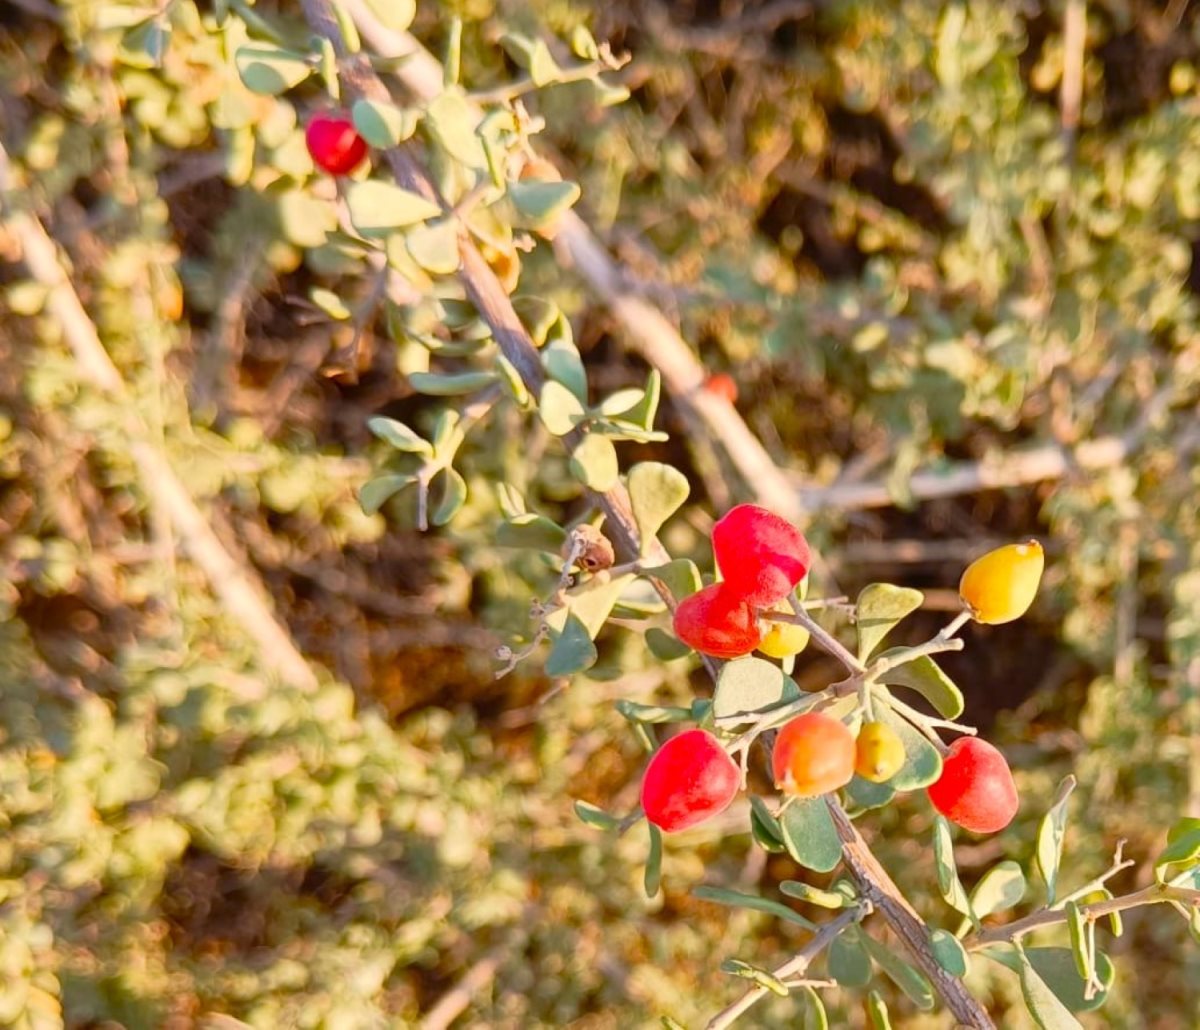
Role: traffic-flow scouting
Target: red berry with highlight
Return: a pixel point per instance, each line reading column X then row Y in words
column 690, row 779
column 334, row 144
column 760, row 555
column 976, row 788
column 717, row 621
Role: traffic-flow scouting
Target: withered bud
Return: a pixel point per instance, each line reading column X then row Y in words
column 592, row 550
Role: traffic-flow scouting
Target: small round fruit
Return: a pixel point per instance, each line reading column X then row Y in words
column 878, row 752
column 976, row 788
column 334, row 144
column 717, row 621
column 783, row 639
column 1000, row 586
column 814, row 754
column 759, row 554
column 721, row 385
column 689, row 779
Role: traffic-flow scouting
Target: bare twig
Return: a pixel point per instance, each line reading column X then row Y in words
column 451, row 1004
column 794, row 967
column 1071, row 93
column 238, row 588
column 1155, row 894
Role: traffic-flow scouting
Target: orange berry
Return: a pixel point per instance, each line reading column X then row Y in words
column 814, row 754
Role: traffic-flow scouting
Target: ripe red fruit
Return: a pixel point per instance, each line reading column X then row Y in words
column 814, row 754
column 717, row 621
column 722, row 385
column 333, row 143
column 690, row 779
column 976, row 788
column 760, row 555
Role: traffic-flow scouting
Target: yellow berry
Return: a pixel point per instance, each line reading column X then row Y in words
column 878, row 752
column 783, row 640
column 1000, row 586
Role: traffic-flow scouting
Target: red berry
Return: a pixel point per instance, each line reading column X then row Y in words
column 976, row 788
column 334, row 144
column 722, row 385
column 690, row 778
column 760, row 555
column 717, row 621
column 813, row 754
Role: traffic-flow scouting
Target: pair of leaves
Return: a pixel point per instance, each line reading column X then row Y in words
column 1051, row 984
column 850, row 959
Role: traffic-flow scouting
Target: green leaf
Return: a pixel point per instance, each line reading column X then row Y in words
column 531, row 532
column 539, row 203
column 947, row 873
column 665, row 646
column 736, row 899
column 538, row 315
column 922, row 763
column 435, row 384
column 377, row 492
column 926, row 677
column 680, row 576
column 654, row 861
column 762, row 977
column 562, row 362
column 1044, row 1005
column 591, row 602
column 1050, row 837
column 559, row 408
column 451, row 121
column 145, row 45
column 377, row 207
column 877, row 1011
column 747, row 685
column 813, row 1015
column 1000, row 888
column 764, row 826
column 330, row 303
column 814, row 895
column 879, row 607
column 271, row 70
column 656, row 491
column 904, row 976
column 594, row 463
column 397, row 15
column 382, row 124
column 398, row 435
column 451, row 489
column 304, row 220
column 652, row 714
column 1055, row 967
column 572, row 652
column 848, row 962
column 1081, row 950
column 809, row 835
column 583, row 44
column 1183, row 848
column 596, row 817
column 644, row 412
column 867, row 795
column 435, row 246
column 950, row 954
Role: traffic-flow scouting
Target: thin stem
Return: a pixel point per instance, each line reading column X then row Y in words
column 823, row 637
column 792, row 968
column 1118, row 864
column 503, row 94
column 921, row 719
column 1155, row 894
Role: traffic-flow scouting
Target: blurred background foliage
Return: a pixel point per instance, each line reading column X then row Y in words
column 869, row 213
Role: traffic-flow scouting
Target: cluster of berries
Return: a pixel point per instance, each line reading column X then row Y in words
column 761, row 559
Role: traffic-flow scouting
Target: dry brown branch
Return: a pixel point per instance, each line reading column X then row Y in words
column 238, row 588
column 493, row 303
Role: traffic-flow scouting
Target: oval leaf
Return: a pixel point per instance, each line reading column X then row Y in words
column 909, row 980
column 376, row 208
column 594, row 463
column 745, row 686
column 809, row 835
column 925, row 676
column 572, row 652
column 879, row 607
column 656, row 491
column 1051, row 832
column 736, row 899
column 848, row 962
